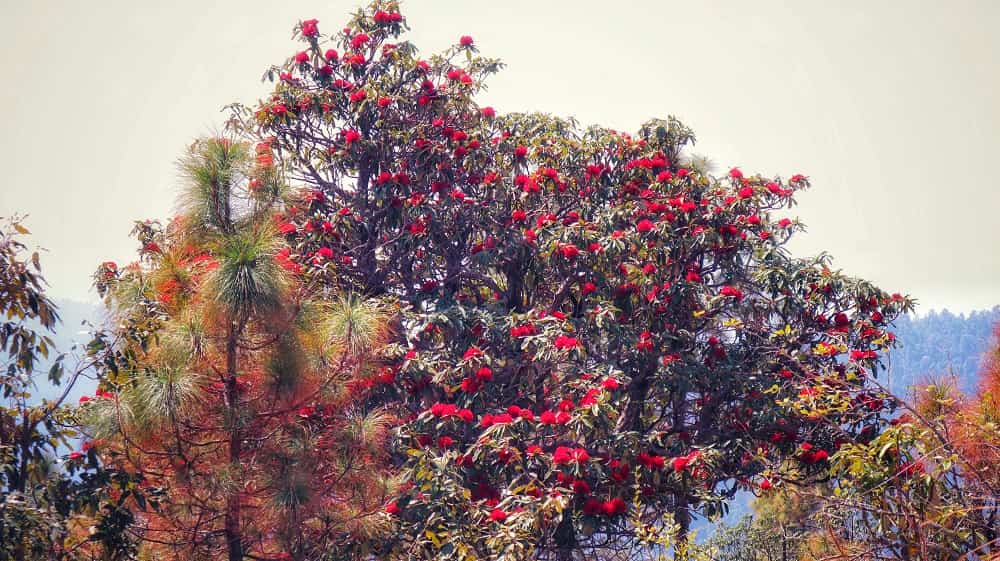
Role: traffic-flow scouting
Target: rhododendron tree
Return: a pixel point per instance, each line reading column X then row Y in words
column 235, row 387
column 599, row 338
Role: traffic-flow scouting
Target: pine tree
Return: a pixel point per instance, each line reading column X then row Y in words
column 238, row 391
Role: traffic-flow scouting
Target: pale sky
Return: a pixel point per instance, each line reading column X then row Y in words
column 890, row 107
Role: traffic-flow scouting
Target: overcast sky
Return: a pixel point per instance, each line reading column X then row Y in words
column 890, row 107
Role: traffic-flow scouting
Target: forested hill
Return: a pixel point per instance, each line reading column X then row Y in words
column 941, row 344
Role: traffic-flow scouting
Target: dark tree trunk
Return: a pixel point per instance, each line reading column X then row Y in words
column 565, row 537
column 234, row 541
column 682, row 517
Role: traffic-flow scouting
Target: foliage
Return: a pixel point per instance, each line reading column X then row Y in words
column 235, row 391
column 927, row 486
column 51, row 507
column 599, row 339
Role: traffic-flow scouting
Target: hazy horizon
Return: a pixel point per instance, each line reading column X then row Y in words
column 889, row 109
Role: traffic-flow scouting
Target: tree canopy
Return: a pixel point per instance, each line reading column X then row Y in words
column 596, row 332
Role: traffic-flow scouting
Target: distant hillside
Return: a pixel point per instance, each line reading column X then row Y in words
column 941, row 344
column 70, row 331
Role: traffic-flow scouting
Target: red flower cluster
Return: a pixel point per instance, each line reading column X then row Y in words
column 309, row 28
column 809, row 456
column 382, row 17
column 564, row 342
column 613, row 507
column 523, row 330
column 651, row 461
column 445, row 410
column 732, row 292
column 680, row 463
column 566, row 455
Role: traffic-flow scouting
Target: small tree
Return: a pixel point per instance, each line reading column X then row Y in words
column 236, row 393
column 597, row 333
column 54, row 503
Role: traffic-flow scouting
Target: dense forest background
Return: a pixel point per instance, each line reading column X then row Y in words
column 941, row 344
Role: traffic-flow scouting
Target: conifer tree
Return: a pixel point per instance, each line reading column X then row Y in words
column 237, row 390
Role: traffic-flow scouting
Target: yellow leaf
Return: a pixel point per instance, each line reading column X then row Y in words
column 434, row 539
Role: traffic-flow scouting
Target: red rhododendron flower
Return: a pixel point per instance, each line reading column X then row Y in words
column 650, row 461
column 382, row 17
column 644, row 226
column 444, row 409
column 472, row 352
column 569, row 251
column 565, row 342
column 523, row 330
column 732, row 292
column 359, row 40
column 488, row 112
column 465, row 41
column 302, row 57
column 351, row 136
column 498, row 515
column 309, row 28
column 610, row 384
column 392, row 508
column 645, row 342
